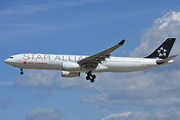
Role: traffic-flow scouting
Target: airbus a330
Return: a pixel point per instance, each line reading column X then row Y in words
column 73, row 65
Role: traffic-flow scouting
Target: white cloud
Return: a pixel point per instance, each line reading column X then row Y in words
column 162, row 28
column 168, row 18
column 150, row 90
column 44, row 114
column 172, row 113
column 48, row 79
column 118, row 115
column 33, row 78
column 4, row 102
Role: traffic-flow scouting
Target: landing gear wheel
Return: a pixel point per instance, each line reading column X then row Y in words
column 21, row 73
column 92, row 80
column 90, row 77
column 93, row 76
column 89, row 74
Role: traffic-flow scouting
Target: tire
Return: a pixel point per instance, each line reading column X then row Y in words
column 21, row 73
column 94, row 76
column 88, row 77
column 92, row 80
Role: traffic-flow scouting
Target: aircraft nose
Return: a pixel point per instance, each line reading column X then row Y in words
column 6, row 61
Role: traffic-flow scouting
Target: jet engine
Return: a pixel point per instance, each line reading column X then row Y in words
column 70, row 74
column 71, row 66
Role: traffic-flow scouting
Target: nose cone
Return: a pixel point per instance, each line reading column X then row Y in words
column 10, row 61
column 6, row 61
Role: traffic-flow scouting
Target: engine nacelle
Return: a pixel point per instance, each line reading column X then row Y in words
column 71, row 66
column 70, row 74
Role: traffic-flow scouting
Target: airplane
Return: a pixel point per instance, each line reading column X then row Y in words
column 73, row 65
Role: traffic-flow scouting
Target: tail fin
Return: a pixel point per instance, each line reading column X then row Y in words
column 163, row 50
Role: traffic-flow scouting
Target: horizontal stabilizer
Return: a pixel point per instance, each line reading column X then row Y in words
column 166, row 59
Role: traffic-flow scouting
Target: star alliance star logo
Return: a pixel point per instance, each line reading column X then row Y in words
column 162, row 52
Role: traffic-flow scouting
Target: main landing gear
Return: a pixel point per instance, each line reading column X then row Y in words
column 90, row 77
column 21, row 71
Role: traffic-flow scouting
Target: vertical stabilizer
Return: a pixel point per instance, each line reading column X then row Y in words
column 163, row 50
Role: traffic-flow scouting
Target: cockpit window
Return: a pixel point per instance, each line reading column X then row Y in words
column 11, row 57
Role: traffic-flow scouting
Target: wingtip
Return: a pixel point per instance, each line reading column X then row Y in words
column 121, row 43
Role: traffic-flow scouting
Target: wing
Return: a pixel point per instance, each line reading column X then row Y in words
column 101, row 56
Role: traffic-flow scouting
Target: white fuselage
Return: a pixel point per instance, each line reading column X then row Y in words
column 65, row 62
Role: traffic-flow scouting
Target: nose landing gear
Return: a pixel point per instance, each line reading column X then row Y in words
column 21, row 71
column 90, row 77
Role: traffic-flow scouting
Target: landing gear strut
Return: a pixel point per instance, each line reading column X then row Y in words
column 21, row 71
column 90, row 77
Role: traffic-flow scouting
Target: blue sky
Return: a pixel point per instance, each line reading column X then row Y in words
column 85, row 27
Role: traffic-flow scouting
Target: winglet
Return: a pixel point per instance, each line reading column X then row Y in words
column 121, row 43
